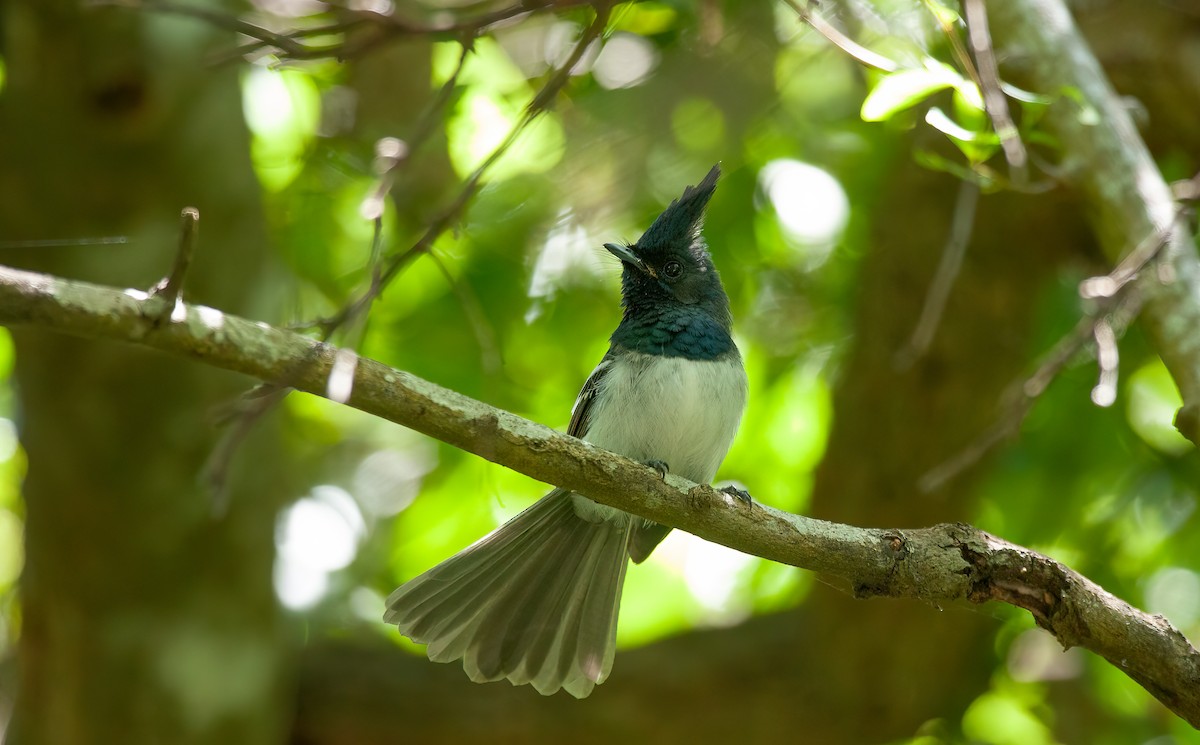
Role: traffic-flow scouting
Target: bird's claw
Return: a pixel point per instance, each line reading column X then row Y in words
column 661, row 467
column 740, row 495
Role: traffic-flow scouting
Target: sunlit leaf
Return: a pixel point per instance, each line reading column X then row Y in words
column 1023, row 95
column 977, row 145
column 945, row 15
column 483, row 121
column 903, row 89
column 937, row 119
column 645, row 18
column 999, row 719
column 283, row 110
column 488, row 67
column 1153, row 401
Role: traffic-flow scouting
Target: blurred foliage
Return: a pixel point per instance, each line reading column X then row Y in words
column 527, row 300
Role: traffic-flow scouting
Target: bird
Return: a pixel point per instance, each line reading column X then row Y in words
column 536, row 601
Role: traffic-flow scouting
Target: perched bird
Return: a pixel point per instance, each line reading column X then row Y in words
column 536, row 600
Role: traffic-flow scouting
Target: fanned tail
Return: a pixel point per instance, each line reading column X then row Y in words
column 535, row 601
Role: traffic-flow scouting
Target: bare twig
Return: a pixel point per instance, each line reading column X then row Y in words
column 249, row 408
column 485, row 334
column 285, row 43
column 1133, row 262
column 994, row 101
column 1119, row 181
column 391, row 153
column 1107, row 359
column 1115, row 298
column 841, row 41
column 169, row 290
column 100, row 240
column 295, row 45
column 943, row 280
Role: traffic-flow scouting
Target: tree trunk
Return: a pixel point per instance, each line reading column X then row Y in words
column 148, row 614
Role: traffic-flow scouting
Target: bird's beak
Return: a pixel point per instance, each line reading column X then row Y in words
column 629, row 257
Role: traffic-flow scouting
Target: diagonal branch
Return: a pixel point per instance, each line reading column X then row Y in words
column 937, row 564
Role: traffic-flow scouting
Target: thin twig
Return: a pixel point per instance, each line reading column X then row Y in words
column 249, row 408
column 956, row 46
column 170, row 289
column 1122, row 303
column 1133, row 263
column 385, row 27
column 841, row 41
column 485, row 334
column 1104, row 394
column 943, row 280
column 994, row 100
column 285, row 43
column 391, row 153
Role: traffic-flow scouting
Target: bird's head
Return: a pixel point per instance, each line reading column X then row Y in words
column 670, row 263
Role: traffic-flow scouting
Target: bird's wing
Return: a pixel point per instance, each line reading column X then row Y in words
column 581, row 414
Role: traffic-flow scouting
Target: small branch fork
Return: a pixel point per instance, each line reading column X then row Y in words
column 169, row 290
column 937, row 564
column 1117, row 303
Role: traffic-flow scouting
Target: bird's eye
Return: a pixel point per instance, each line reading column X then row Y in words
column 673, row 269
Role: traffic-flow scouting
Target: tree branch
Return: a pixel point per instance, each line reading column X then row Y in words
column 938, row 564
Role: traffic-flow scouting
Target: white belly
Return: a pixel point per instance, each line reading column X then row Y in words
column 682, row 412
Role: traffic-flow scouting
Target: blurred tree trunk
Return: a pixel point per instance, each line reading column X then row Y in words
column 148, row 614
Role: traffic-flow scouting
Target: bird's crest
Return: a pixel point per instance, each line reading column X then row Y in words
column 679, row 224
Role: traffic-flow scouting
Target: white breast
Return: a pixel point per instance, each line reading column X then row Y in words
column 682, row 412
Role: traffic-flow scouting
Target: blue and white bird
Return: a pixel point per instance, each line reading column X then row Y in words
column 536, row 600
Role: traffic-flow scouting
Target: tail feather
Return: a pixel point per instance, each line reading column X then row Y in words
column 447, row 599
column 541, row 609
column 518, row 618
column 534, row 602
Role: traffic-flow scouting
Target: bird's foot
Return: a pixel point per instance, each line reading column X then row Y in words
column 659, row 466
column 737, row 493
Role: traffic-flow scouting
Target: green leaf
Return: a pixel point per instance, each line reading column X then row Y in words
column 938, row 119
column 903, row 89
column 977, row 145
column 945, row 16
column 644, row 18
